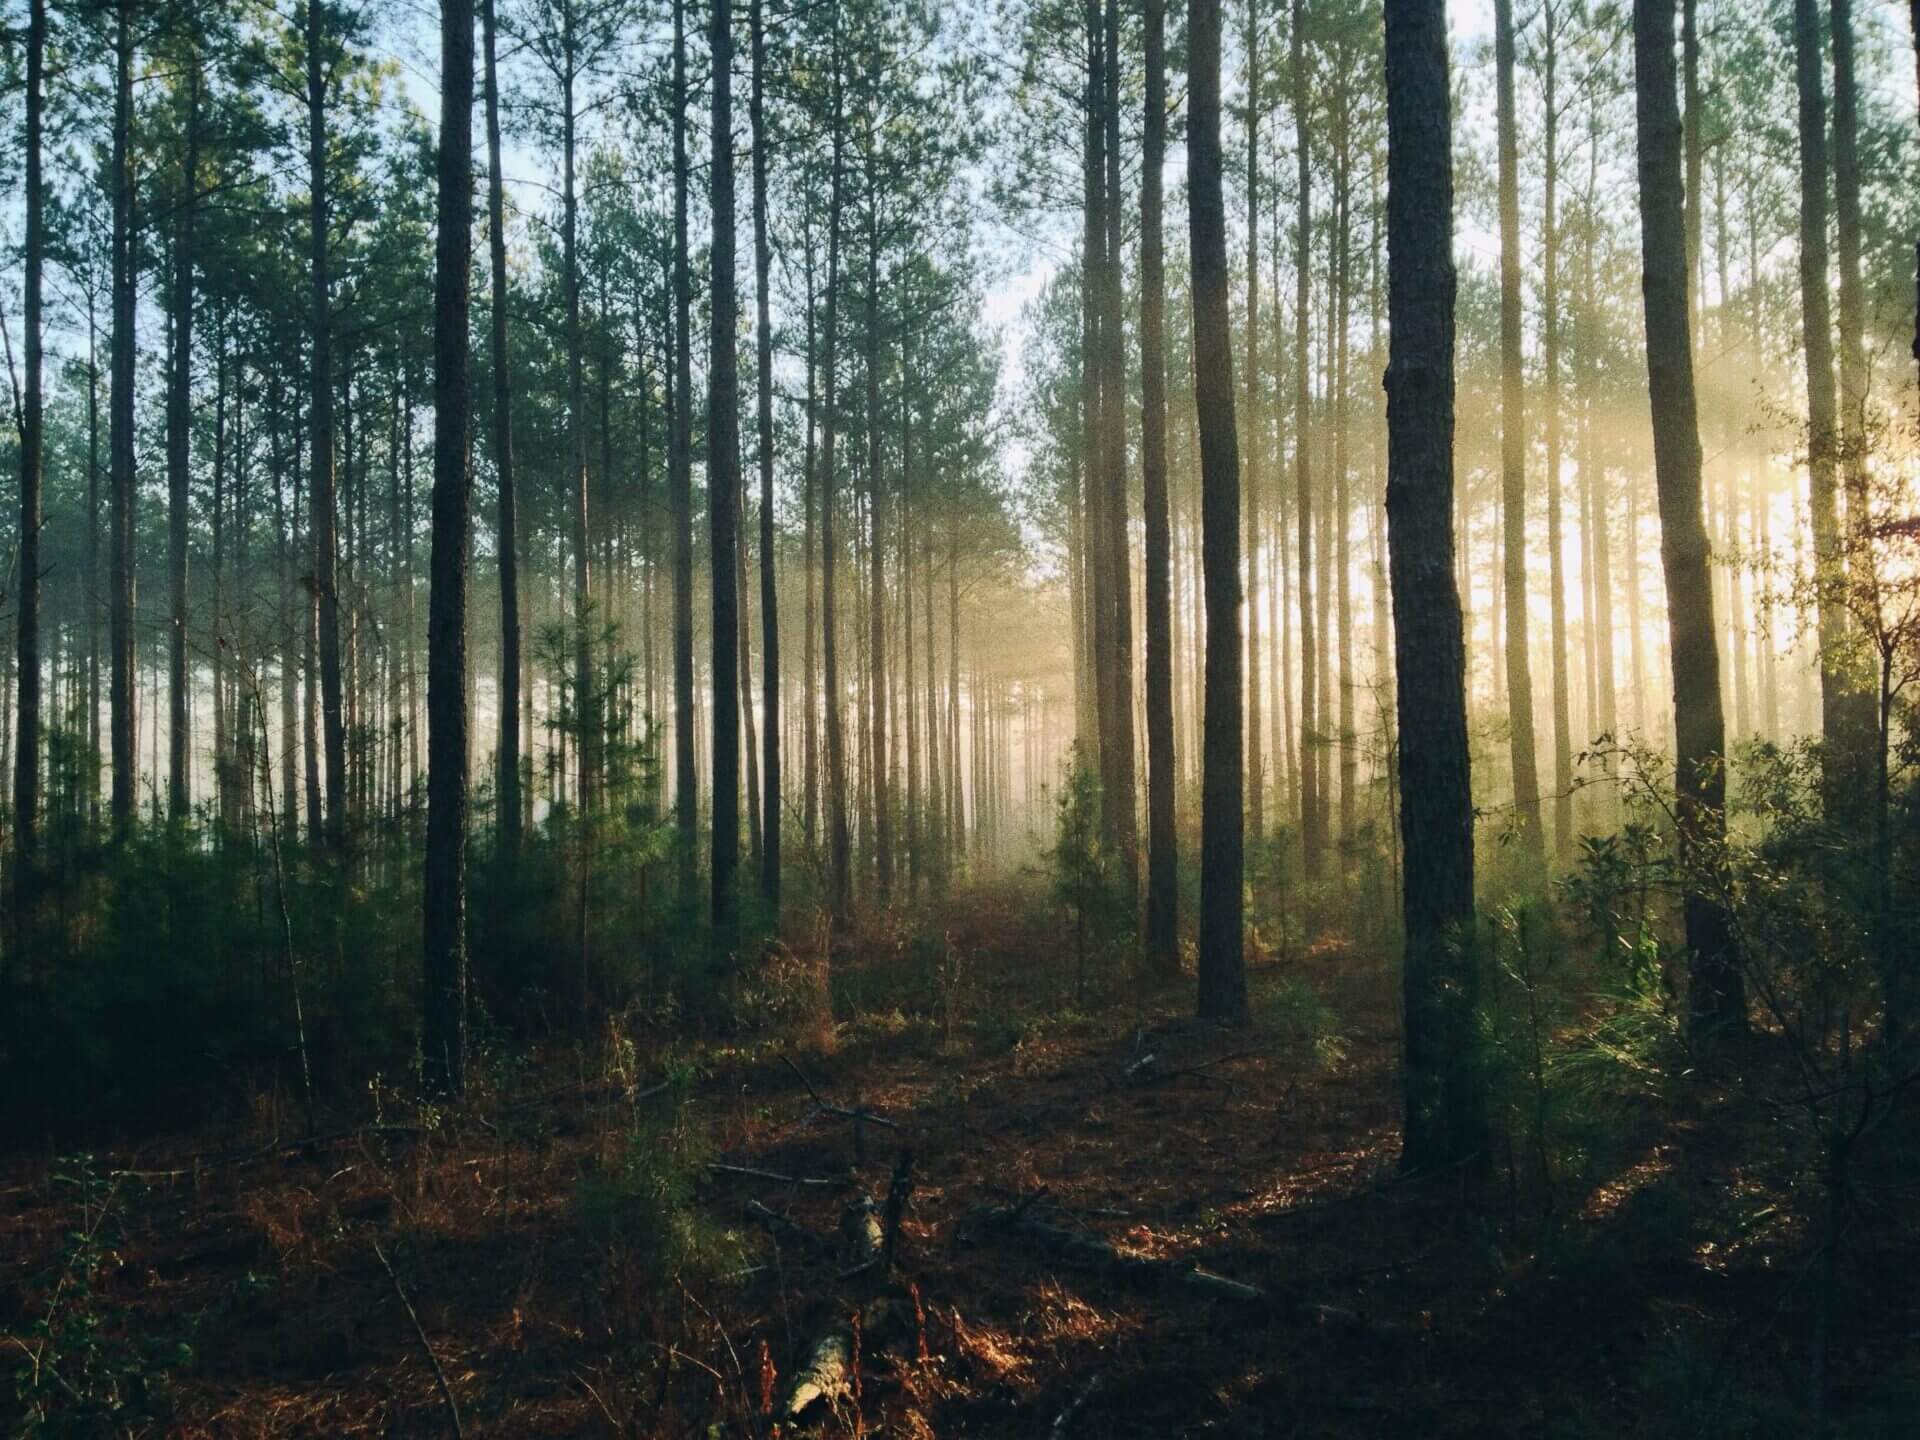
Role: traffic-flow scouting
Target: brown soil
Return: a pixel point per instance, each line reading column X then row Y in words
column 1672, row 1297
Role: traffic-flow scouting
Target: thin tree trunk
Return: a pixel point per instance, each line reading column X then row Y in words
column 876, row 712
column 179, row 441
column 1163, row 891
column 322, row 503
column 840, row 884
column 1556, row 544
column 1254, row 423
column 26, row 755
column 443, row 1029
column 1223, row 981
column 723, row 497
column 680, row 489
column 1716, row 999
column 121, row 442
column 507, row 539
column 1513, row 472
column 769, row 596
column 1312, row 820
column 1822, row 420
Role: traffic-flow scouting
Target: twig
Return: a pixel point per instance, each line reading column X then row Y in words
column 1064, row 1421
column 746, row 1396
column 778, row 1179
column 860, row 1113
column 439, row 1375
column 1160, row 1077
column 780, row 1226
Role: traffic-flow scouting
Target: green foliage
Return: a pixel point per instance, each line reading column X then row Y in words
column 83, row 1366
column 645, row 1204
column 1291, row 1008
column 1085, row 871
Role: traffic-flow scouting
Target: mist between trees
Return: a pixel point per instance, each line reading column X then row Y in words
column 445, row 581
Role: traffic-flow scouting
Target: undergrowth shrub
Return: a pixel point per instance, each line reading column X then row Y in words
column 83, row 1364
column 643, row 1207
column 1087, row 876
column 1306, row 1026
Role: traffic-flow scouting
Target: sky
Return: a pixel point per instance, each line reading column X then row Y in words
column 412, row 36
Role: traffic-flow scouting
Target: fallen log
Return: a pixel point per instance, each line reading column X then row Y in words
column 828, row 1373
column 866, row 1239
column 785, row 1231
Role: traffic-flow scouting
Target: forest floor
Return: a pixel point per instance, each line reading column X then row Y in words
column 559, row 1257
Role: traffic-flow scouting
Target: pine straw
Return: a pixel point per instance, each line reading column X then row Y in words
column 1270, row 1171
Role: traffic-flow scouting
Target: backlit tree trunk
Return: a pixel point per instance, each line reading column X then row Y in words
column 1445, row 1114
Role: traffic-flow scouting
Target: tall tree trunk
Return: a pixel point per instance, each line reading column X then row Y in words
column 769, row 596
column 586, row 698
column 1255, row 426
column 444, row 957
column 840, row 845
column 1822, row 420
column 1163, row 889
column 686, row 786
column 880, row 755
column 323, row 503
column 1312, row 818
column 1513, row 466
column 1445, row 1114
column 1853, row 434
column 507, row 541
column 1118, row 778
column 809, row 703
column 1342, row 513
column 179, row 442
column 723, row 502
column 1223, row 978
column 120, row 423
column 26, row 755
column 1556, row 558
column 1716, row 999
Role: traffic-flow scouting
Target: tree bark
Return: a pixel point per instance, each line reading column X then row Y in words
column 26, row 755
column 121, row 438
column 323, row 503
column 1716, row 998
column 1852, row 435
column 179, row 448
column 443, row 1029
column 1550, row 344
column 686, row 787
column 1118, row 778
column 769, row 596
column 507, row 544
column 1445, row 1113
column 840, row 844
column 1163, row 891
column 1312, row 817
column 723, row 502
column 1223, row 979
column 1513, row 466
column 1255, row 425
column 1822, row 419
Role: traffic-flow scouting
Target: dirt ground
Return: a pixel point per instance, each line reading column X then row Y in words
column 504, row 1259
